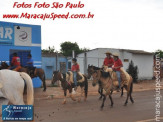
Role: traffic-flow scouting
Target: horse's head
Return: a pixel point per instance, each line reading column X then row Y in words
column 56, row 76
column 96, row 77
column 90, row 71
column 4, row 65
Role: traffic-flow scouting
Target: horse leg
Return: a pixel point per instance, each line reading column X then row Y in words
column 111, row 92
column 70, row 91
column 104, row 98
column 128, row 93
column 131, row 99
column 65, row 94
column 122, row 92
column 131, row 88
column 82, row 91
column 111, row 100
column 44, row 83
column 100, row 91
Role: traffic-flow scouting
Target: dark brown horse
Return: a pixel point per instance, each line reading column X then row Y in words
column 67, row 85
column 38, row 72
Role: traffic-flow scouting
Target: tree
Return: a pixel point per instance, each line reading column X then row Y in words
column 160, row 52
column 133, row 71
column 67, row 47
column 49, row 50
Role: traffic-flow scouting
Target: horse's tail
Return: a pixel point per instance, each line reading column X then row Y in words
column 85, row 86
column 29, row 84
column 131, row 87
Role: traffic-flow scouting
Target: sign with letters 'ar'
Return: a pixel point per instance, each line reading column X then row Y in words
column 15, row 35
column 23, row 36
column 6, row 35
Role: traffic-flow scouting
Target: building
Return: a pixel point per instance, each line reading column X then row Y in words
column 22, row 39
column 143, row 59
column 54, row 62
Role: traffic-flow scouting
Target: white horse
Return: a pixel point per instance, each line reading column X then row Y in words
column 12, row 88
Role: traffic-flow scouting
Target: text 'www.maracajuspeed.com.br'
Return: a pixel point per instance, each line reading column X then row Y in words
column 52, row 16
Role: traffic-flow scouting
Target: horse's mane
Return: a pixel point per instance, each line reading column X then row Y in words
column 55, row 72
column 95, row 68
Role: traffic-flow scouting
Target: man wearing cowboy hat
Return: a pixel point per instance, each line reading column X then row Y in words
column 108, row 61
column 116, row 67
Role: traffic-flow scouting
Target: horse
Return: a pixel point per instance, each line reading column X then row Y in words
column 67, row 84
column 91, row 70
column 108, row 85
column 12, row 86
column 38, row 72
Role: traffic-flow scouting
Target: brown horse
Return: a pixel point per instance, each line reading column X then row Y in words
column 38, row 72
column 66, row 85
column 91, row 70
column 108, row 85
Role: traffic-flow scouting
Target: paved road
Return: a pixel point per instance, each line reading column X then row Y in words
column 89, row 111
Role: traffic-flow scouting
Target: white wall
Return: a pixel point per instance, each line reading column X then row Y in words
column 145, row 65
column 96, row 58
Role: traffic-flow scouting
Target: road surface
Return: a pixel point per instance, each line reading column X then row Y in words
column 143, row 110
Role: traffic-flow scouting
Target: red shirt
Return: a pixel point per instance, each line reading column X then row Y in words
column 75, row 67
column 117, row 63
column 15, row 61
column 108, row 61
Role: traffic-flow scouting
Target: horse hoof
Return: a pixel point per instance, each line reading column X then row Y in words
column 125, row 104
column 79, row 100
column 73, row 99
column 64, row 102
column 100, row 98
column 44, row 90
column 85, row 99
column 101, row 108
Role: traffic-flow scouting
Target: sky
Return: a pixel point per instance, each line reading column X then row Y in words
column 125, row 24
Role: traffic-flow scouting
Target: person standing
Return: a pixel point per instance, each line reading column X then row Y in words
column 15, row 61
column 116, row 67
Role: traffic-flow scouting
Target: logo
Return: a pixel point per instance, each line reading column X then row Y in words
column 23, row 36
column 17, row 112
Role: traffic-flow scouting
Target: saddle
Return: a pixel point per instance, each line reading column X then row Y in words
column 31, row 71
column 69, row 77
column 125, row 77
column 17, row 68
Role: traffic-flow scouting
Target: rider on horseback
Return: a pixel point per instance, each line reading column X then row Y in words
column 75, row 68
column 15, row 62
column 108, row 61
column 116, row 67
column 30, row 65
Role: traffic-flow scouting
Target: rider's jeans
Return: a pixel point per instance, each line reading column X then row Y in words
column 119, row 78
column 74, row 78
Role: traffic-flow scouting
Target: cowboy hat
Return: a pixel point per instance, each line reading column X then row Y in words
column 108, row 52
column 116, row 54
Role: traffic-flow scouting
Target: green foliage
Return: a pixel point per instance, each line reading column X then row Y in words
column 67, row 48
column 160, row 52
column 133, row 71
column 49, row 50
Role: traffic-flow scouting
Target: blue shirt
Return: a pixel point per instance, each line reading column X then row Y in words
column 31, row 62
